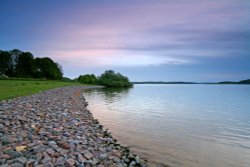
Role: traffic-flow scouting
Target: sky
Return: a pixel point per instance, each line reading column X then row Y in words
column 146, row 40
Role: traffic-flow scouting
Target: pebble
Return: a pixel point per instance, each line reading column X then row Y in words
column 55, row 128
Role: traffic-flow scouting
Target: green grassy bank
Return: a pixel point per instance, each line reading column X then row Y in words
column 13, row 88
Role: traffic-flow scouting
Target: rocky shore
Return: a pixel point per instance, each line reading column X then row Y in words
column 55, row 128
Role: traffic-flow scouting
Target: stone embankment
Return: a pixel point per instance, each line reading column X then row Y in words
column 55, row 128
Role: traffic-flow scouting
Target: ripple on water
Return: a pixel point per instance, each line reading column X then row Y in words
column 179, row 125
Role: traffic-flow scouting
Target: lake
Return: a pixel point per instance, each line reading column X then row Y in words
column 179, row 124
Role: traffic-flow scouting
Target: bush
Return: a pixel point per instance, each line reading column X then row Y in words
column 87, row 79
column 111, row 79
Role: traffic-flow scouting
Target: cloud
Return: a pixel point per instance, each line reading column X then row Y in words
column 138, row 33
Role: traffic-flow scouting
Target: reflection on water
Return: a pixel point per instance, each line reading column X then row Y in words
column 179, row 125
column 110, row 94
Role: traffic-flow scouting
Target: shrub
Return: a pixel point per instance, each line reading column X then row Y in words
column 111, row 79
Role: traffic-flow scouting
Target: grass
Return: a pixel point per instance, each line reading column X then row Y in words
column 14, row 88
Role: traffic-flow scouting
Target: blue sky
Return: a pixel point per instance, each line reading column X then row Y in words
column 162, row 40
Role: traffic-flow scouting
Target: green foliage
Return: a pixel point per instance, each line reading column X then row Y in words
column 25, row 66
column 111, row 79
column 87, row 79
column 48, row 69
column 65, row 79
column 5, row 61
column 16, row 63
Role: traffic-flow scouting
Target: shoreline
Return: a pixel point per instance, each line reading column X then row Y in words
column 55, row 128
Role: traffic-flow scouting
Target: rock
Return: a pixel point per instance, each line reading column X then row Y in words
column 5, row 156
column 46, row 159
column 50, row 151
column 7, row 123
column 69, row 162
column 54, row 128
column 38, row 148
column 80, row 165
column 4, row 165
column 100, row 165
column 64, row 145
column 1, row 126
column 52, row 143
column 132, row 164
column 103, row 156
column 21, row 160
column 30, row 163
column 116, row 153
column 30, row 136
column 80, row 158
column 14, row 154
column 116, row 159
column 60, row 161
column 39, row 156
column 17, row 165
column 22, row 118
column 88, row 155
column 24, row 134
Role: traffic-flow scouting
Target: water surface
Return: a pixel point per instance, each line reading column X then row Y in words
column 179, row 125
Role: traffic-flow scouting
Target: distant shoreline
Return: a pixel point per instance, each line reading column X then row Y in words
column 242, row 82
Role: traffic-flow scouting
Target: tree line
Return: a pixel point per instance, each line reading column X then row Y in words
column 109, row 78
column 19, row 64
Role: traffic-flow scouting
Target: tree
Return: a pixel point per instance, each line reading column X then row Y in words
column 16, row 63
column 15, row 53
column 87, row 79
column 111, row 79
column 47, row 69
column 25, row 66
column 5, row 62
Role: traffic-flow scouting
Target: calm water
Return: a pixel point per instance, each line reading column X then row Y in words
column 179, row 125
